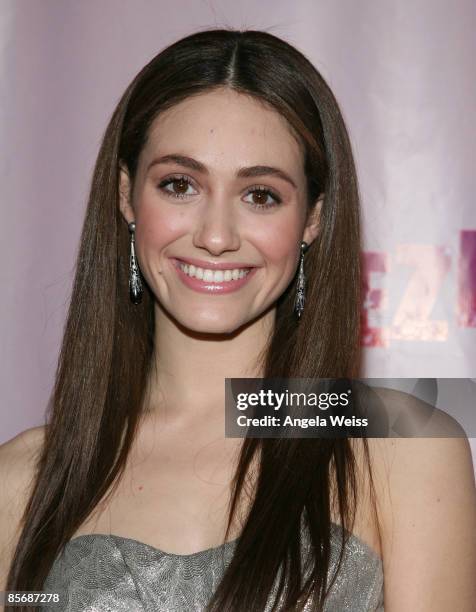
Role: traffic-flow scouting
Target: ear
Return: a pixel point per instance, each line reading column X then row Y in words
column 312, row 223
column 125, row 195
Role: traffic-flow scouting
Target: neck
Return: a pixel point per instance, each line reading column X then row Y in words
column 189, row 368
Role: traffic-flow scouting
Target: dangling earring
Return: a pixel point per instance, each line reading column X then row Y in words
column 301, row 284
column 135, row 284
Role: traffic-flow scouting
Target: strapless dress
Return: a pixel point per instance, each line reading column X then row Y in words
column 110, row 573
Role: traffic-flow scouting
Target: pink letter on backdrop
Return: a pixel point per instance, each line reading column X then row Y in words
column 375, row 266
column 467, row 279
column 412, row 317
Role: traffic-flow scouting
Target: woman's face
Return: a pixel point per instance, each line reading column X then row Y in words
column 220, row 184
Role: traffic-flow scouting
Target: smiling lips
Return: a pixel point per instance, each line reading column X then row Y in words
column 213, row 277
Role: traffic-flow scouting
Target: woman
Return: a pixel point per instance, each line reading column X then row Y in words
column 224, row 183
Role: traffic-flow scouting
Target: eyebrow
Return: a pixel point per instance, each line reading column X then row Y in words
column 246, row 172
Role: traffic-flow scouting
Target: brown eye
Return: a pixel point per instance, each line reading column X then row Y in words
column 180, row 186
column 259, row 197
column 263, row 198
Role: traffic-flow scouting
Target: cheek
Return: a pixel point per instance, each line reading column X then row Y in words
column 279, row 240
column 157, row 227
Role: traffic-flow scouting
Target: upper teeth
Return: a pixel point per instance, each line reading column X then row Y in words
column 214, row 276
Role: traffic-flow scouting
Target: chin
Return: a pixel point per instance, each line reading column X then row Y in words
column 220, row 325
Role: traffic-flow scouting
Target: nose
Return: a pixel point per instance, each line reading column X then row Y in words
column 216, row 229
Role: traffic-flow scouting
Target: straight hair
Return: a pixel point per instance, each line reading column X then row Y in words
column 106, row 353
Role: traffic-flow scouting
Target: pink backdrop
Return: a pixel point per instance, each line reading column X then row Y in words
column 403, row 73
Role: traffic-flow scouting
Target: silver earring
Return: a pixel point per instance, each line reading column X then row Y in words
column 135, row 284
column 301, row 284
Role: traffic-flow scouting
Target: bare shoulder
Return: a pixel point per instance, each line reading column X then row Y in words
column 18, row 458
column 29, row 438
column 426, row 497
column 424, row 446
column 405, row 469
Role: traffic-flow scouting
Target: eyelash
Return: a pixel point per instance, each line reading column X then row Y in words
column 255, row 188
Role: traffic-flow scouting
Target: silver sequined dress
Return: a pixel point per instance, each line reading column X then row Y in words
column 109, row 573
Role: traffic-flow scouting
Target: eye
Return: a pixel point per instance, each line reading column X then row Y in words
column 182, row 183
column 261, row 195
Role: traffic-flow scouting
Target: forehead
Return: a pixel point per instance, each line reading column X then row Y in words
column 224, row 127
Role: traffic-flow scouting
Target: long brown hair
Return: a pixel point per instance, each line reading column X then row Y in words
column 107, row 347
